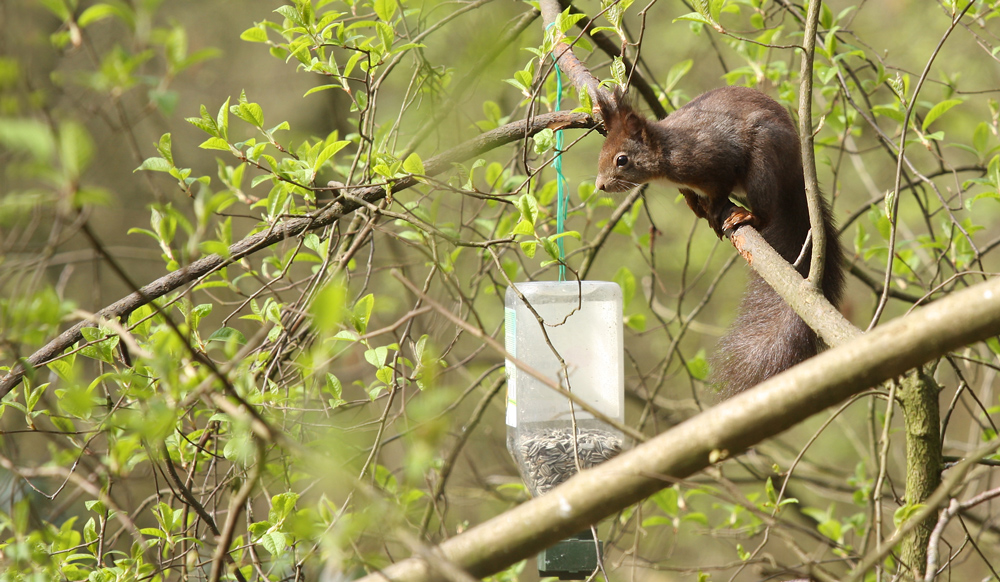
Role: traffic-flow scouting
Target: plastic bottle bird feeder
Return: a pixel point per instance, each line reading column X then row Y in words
column 549, row 436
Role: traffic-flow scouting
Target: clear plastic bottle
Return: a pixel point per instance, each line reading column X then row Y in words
column 583, row 322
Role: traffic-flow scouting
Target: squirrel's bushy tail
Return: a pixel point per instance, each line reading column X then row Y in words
column 767, row 336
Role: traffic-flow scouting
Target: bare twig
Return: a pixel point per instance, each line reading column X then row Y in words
column 899, row 162
column 954, row 507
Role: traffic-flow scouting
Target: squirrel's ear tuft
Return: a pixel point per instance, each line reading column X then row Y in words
column 633, row 123
column 615, row 108
column 620, row 97
column 608, row 107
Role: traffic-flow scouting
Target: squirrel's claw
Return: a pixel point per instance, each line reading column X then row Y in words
column 738, row 216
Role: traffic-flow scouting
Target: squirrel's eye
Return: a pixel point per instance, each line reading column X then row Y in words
column 621, row 161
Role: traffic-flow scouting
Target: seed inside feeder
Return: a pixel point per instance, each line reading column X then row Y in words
column 546, row 455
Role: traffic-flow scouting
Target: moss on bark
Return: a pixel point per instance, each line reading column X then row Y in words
column 919, row 399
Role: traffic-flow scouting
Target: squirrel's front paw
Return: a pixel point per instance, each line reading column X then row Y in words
column 696, row 203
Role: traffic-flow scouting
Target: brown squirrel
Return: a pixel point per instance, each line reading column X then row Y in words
column 738, row 142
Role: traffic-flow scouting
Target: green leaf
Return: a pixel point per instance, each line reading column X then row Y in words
column 667, row 500
column 625, row 280
column 698, row 366
column 57, row 7
column 204, row 123
column 282, row 506
column 939, row 110
column 385, row 9
column 413, row 164
column 259, row 528
column 677, row 72
column 544, row 141
column 328, row 152
column 329, row 307
column 618, row 71
column 569, row 233
column 523, row 228
column 103, row 349
column 377, row 356
column 291, row 14
column 100, row 12
column 550, row 248
column 76, row 148
column 715, row 8
column 694, row 17
column 321, row 88
column 529, row 248
column 276, row 200
column 154, row 165
column 528, row 206
column 831, row 529
column 153, row 531
column 274, row 542
column 565, row 20
column 222, row 120
column 742, row 553
column 333, row 386
column 905, row 512
column 214, row 143
column 892, row 112
column 313, row 243
column 254, row 34
column 384, row 375
column 27, row 135
column 224, row 334
column 657, row 520
column 636, row 321
column 385, row 34
column 164, row 147
column 362, row 313
column 980, row 138
column 250, row 113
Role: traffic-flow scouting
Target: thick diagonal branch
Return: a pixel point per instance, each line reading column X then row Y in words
column 725, row 430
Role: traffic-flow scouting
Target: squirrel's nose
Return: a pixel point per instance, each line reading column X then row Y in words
column 599, row 184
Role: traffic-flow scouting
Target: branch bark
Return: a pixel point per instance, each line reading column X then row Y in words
column 813, row 195
column 806, row 300
column 508, row 133
column 921, row 417
column 725, row 430
column 636, row 80
column 579, row 75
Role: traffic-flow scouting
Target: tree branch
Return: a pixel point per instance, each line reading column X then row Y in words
column 607, row 45
column 508, row 133
column 806, row 300
column 807, row 142
column 579, row 75
column 918, row 396
column 723, row 431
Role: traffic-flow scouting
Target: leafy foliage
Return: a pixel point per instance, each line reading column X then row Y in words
column 311, row 407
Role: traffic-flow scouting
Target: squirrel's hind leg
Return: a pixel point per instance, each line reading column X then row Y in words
column 737, row 217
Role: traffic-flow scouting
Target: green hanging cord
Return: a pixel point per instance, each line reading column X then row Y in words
column 562, row 198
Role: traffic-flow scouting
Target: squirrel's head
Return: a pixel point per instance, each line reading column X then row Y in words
column 632, row 153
